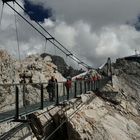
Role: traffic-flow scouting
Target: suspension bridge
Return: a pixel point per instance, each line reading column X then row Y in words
column 32, row 97
column 24, row 106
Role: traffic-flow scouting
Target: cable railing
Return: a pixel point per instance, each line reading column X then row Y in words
column 24, row 99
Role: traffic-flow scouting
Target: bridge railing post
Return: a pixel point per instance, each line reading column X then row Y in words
column 88, row 85
column 80, row 87
column 85, row 86
column 75, row 89
column 98, row 84
column 42, row 97
column 64, row 92
column 89, row 88
column 16, row 103
column 57, row 93
column 95, row 85
column 92, row 85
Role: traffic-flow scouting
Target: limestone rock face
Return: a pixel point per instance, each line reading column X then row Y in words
column 127, row 82
column 100, row 120
column 114, row 113
column 7, row 67
column 40, row 69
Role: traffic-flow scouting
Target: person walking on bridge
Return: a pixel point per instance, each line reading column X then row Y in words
column 68, row 86
column 51, row 88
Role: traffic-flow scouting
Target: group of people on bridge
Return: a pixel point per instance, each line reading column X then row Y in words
column 53, row 84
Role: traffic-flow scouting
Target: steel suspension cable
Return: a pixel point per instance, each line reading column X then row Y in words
column 1, row 14
column 79, row 61
column 35, row 28
column 76, row 59
column 53, row 37
column 17, row 34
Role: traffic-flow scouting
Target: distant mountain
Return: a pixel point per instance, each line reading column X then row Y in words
column 62, row 67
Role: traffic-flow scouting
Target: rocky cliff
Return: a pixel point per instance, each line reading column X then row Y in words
column 113, row 113
column 62, row 67
column 41, row 69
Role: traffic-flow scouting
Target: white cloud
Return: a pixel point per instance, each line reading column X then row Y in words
column 66, row 34
column 77, row 34
column 97, row 13
column 48, row 23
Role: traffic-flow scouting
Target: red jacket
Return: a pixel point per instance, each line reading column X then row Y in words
column 94, row 78
column 68, row 84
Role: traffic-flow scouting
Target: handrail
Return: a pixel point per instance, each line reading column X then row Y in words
column 41, row 97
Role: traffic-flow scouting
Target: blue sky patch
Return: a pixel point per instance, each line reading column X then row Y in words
column 37, row 12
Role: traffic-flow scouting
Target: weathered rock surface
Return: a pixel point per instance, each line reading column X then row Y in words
column 111, row 114
column 41, row 70
column 115, row 113
column 102, row 120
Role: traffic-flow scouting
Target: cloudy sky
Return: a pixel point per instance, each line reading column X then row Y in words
column 91, row 29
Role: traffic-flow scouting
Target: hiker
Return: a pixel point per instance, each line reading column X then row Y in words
column 52, row 83
column 68, row 86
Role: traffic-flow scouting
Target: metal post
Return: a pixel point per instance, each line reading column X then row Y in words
column 99, row 84
column 64, row 89
column 75, row 89
column 85, row 86
column 92, row 85
column 42, row 97
column 17, row 103
column 88, row 85
column 57, row 96
column 68, row 92
column 24, row 99
column 80, row 87
column 95, row 85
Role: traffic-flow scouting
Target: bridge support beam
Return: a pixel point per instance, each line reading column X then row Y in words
column 81, row 87
column 75, row 89
column 16, row 103
column 17, row 119
column 85, row 86
column 42, row 97
column 57, row 96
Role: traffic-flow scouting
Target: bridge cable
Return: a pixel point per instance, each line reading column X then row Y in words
column 42, row 27
column 77, row 59
column 18, row 45
column 1, row 13
column 36, row 28
column 17, row 34
column 84, row 64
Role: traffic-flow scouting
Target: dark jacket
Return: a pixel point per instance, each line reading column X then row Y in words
column 51, row 84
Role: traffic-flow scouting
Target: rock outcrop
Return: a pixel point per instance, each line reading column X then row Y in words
column 41, row 69
column 113, row 113
column 62, row 67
